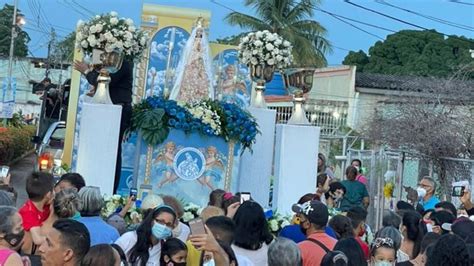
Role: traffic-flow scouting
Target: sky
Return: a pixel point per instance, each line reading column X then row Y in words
column 63, row 15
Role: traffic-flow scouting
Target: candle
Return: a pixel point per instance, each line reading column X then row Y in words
column 172, row 38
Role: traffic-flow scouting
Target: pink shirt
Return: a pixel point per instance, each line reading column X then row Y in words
column 312, row 253
column 4, row 255
column 362, row 179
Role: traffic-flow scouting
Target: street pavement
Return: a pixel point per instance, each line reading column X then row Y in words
column 19, row 172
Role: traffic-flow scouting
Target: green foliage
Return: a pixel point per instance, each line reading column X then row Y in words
column 16, row 120
column 291, row 19
column 231, row 40
column 412, row 52
column 151, row 122
column 22, row 39
column 359, row 59
column 14, row 142
column 65, row 48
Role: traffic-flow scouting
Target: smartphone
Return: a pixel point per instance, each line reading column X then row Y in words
column 197, row 227
column 458, row 191
column 4, row 171
column 244, row 196
column 133, row 193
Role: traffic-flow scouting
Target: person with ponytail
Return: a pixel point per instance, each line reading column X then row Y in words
column 144, row 245
column 413, row 230
column 11, row 236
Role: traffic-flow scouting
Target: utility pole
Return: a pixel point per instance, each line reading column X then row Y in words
column 8, row 92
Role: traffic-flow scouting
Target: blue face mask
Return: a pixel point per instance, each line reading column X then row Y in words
column 161, row 231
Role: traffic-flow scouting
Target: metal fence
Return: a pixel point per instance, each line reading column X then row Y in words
column 330, row 121
column 403, row 169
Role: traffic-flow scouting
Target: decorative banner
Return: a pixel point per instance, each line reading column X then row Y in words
column 7, row 105
column 188, row 166
column 165, row 52
column 84, row 87
column 233, row 82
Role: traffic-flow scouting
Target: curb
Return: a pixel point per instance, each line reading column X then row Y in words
column 26, row 154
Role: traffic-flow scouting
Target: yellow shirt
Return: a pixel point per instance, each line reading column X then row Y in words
column 194, row 255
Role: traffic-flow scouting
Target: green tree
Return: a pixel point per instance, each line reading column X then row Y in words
column 292, row 20
column 412, row 52
column 22, row 39
column 65, row 48
column 231, row 40
column 359, row 59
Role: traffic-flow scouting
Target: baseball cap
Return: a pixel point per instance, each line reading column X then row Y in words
column 315, row 211
column 462, row 227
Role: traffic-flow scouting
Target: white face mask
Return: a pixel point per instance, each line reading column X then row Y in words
column 421, row 192
column 209, row 263
column 382, row 263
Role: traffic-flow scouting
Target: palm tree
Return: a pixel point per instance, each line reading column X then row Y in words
column 292, row 20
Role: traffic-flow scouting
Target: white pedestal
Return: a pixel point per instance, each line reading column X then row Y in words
column 98, row 140
column 256, row 167
column 296, row 153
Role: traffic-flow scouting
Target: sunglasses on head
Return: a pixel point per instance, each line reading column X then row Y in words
column 382, row 242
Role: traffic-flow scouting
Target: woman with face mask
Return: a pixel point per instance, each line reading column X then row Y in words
column 413, row 230
column 143, row 246
column 11, row 236
column 382, row 252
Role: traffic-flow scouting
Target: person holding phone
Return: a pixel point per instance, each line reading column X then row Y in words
column 212, row 251
column 5, row 178
column 144, row 245
column 467, row 202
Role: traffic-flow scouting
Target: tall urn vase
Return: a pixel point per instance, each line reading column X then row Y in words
column 298, row 81
column 107, row 63
column 260, row 74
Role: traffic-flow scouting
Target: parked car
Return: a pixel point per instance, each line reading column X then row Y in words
column 49, row 150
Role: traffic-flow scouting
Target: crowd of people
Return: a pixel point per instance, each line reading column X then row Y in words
column 61, row 224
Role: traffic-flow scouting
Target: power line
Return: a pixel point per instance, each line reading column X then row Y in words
column 355, row 20
column 402, row 21
column 385, row 15
column 84, row 8
column 233, row 10
column 356, row 27
column 461, row 2
column 35, row 13
column 439, row 20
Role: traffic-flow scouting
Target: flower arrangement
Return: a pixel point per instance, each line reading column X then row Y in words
column 388, row 190
column 110, row 33
column 265, row 48
column 204, row 112
column 155, row 115
column 277, row 222
column 191, row 211
column 115, row 204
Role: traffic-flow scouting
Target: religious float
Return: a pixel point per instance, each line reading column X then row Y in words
column 199, row 119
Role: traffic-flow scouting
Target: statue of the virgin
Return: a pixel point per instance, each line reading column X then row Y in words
column 194, row 72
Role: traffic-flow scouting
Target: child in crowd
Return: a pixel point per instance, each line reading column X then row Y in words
column 382, row 252
column 39, row 187
column 173, row 253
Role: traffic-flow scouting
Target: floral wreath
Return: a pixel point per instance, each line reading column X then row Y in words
column 155, row 115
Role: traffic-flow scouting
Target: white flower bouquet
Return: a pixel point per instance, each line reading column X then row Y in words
column 265, row 48
column 110, row 33
column 191, row 211
column 114, row 204
column 277, row 222
column 204, row 112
